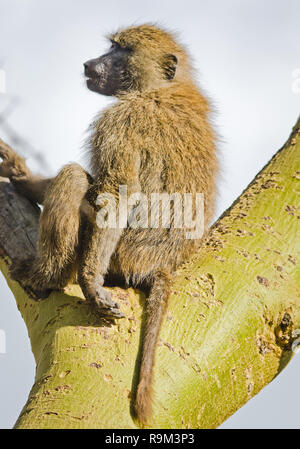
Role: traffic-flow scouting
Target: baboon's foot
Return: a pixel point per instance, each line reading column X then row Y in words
column 38, row 294
column 23, row 272
column 105, row 305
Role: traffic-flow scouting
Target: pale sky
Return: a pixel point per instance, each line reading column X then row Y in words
column 248, row 59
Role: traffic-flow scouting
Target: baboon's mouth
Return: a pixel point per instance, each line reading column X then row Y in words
column 92, row 78
column 93, row 82
column 97, row 81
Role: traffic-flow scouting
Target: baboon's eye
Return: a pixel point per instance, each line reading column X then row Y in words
column 114, row 45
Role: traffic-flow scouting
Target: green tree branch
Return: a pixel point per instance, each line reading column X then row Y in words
column 229, row 329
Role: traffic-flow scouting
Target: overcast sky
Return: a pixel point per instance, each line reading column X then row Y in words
column 247, row 55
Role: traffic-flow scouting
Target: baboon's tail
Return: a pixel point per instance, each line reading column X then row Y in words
column 156, row 305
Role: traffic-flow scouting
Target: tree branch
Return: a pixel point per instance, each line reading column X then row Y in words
column 230, row 323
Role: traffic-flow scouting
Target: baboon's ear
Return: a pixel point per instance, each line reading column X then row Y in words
column 169, row 66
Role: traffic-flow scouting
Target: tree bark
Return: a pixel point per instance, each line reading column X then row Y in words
column 232, row 317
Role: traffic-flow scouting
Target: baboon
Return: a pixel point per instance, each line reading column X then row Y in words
column 155, row 138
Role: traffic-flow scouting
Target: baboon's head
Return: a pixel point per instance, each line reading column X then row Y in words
column 140, row 58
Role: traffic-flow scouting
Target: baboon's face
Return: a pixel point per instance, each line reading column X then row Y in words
column 135, row 62
column 107, row 74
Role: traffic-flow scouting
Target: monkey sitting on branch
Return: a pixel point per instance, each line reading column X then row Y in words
column 156, row 138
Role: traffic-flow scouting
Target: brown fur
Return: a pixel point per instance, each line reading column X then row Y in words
column 156, row 138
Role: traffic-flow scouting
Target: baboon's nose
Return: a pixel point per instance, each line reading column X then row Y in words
column 87, row 67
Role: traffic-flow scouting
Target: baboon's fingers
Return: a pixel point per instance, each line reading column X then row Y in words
column 111, row 313
column 38, row 294
column 4, row 173
column 12, row 164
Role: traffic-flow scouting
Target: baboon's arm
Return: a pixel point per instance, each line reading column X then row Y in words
column 33, row 187
column 14, row 167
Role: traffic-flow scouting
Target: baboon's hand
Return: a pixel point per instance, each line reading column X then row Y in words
column 105, row 305
column 6, row 154
column 12, row 164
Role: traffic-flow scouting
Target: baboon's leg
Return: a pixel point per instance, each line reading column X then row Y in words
column 14, row 167
column 156, row 305
column 60, row 225
column 96, row 250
